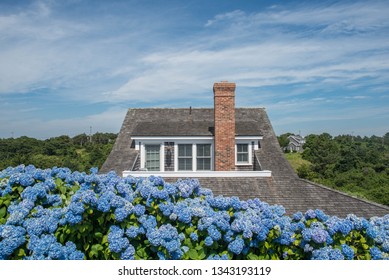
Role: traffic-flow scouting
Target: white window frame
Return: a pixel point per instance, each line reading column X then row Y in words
column 176, row 155
column 194, row 143
column 143, row 154
column 250, row 153
column 211, row 156
column 140, row 143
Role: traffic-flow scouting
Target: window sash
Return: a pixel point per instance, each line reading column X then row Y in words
column 203, row 156
column 242, row 153
column 185, row 157
column 152, row 162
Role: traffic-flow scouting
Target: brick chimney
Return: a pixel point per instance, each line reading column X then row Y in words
column 224, row 113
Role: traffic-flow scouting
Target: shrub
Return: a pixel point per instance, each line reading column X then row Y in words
column 59, row 214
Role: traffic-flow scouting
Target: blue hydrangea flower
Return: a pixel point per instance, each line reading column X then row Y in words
column 71, row 252
column 375, row 253
column 187, row 187
column 321, row 216
column 94, row 170
column 11, row 237
column 345, row 227
column 166, row 208
column 236, row 246
column 327, row 253
column 26, row 180
column 149, row 222
column 53, row 200
column 319, row 235
column 47, row 247
column 161, row 255
column 172, row 245
column 208, row 241
column 297, row 216
column 116, row 241
column 133, row 231
column 123, row 212
column 214, row 233
column 128, row 253
column 194, row 237
column 139, row 210
column 34, row 192
column 347, row 251
column 310, row 214
column 77, row 208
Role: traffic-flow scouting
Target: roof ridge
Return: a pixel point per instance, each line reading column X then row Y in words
column 193, row 108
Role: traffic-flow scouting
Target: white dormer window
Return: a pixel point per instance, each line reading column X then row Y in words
column 204, row 157
column 242, row 153
column 185, row 157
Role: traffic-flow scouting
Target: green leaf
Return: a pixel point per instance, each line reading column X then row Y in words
column 21, row 253
column 105, row 239
column 189, row 230
column 98, row 235
column 97, row 247
column 199, row 247
column 3, row 212
column 252, row 256
column 193, row 255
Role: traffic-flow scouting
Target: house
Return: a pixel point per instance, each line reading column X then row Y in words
column 296, row 143
column 233, row 151
column 197, row 140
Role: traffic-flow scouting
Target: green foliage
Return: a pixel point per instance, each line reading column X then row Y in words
column 172, row 221
column 352, row 164
column 77, row 153
column 283, row 139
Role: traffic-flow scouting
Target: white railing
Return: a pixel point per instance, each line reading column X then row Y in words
column 198, row 174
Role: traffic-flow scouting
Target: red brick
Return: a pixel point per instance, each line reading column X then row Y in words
column 224, row 110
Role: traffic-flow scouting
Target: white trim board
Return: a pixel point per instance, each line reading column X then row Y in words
column 199, row 174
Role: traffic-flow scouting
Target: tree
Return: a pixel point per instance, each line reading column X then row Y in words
column 283, row 140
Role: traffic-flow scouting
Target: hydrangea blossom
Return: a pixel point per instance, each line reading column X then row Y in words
column 170, row 217
column 11, row 237
column 117, row 241
column 236, row 246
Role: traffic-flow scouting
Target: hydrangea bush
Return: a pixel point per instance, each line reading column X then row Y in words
column 59, row 214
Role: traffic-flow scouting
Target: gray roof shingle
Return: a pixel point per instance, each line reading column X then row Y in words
column 191, row 128
column 284, row 187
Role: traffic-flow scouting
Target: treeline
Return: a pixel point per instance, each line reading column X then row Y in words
column 78, row 153
column 352, row 164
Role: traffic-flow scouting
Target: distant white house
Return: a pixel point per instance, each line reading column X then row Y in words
column 296, row 143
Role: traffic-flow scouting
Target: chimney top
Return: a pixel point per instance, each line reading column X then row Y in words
column 224, row 88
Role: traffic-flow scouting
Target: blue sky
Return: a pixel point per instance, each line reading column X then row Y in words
column 316, row 66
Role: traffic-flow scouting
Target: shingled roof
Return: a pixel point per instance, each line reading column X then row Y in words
column 191, row 128
column 284, row 187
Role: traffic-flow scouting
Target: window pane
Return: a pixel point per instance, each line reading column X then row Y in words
column 242, row 148
column 184, row 164
column 203, row 164
column 185, row 150
column 242, row 153
column 185, row 157
column 203, row 156
column 152, row 157
column 243, row 158
column 203, row 150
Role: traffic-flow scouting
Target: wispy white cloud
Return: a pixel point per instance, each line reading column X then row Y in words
column 107, row 121
column 283, row 57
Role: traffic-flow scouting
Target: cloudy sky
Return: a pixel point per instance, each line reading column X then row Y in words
column 316, row 66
